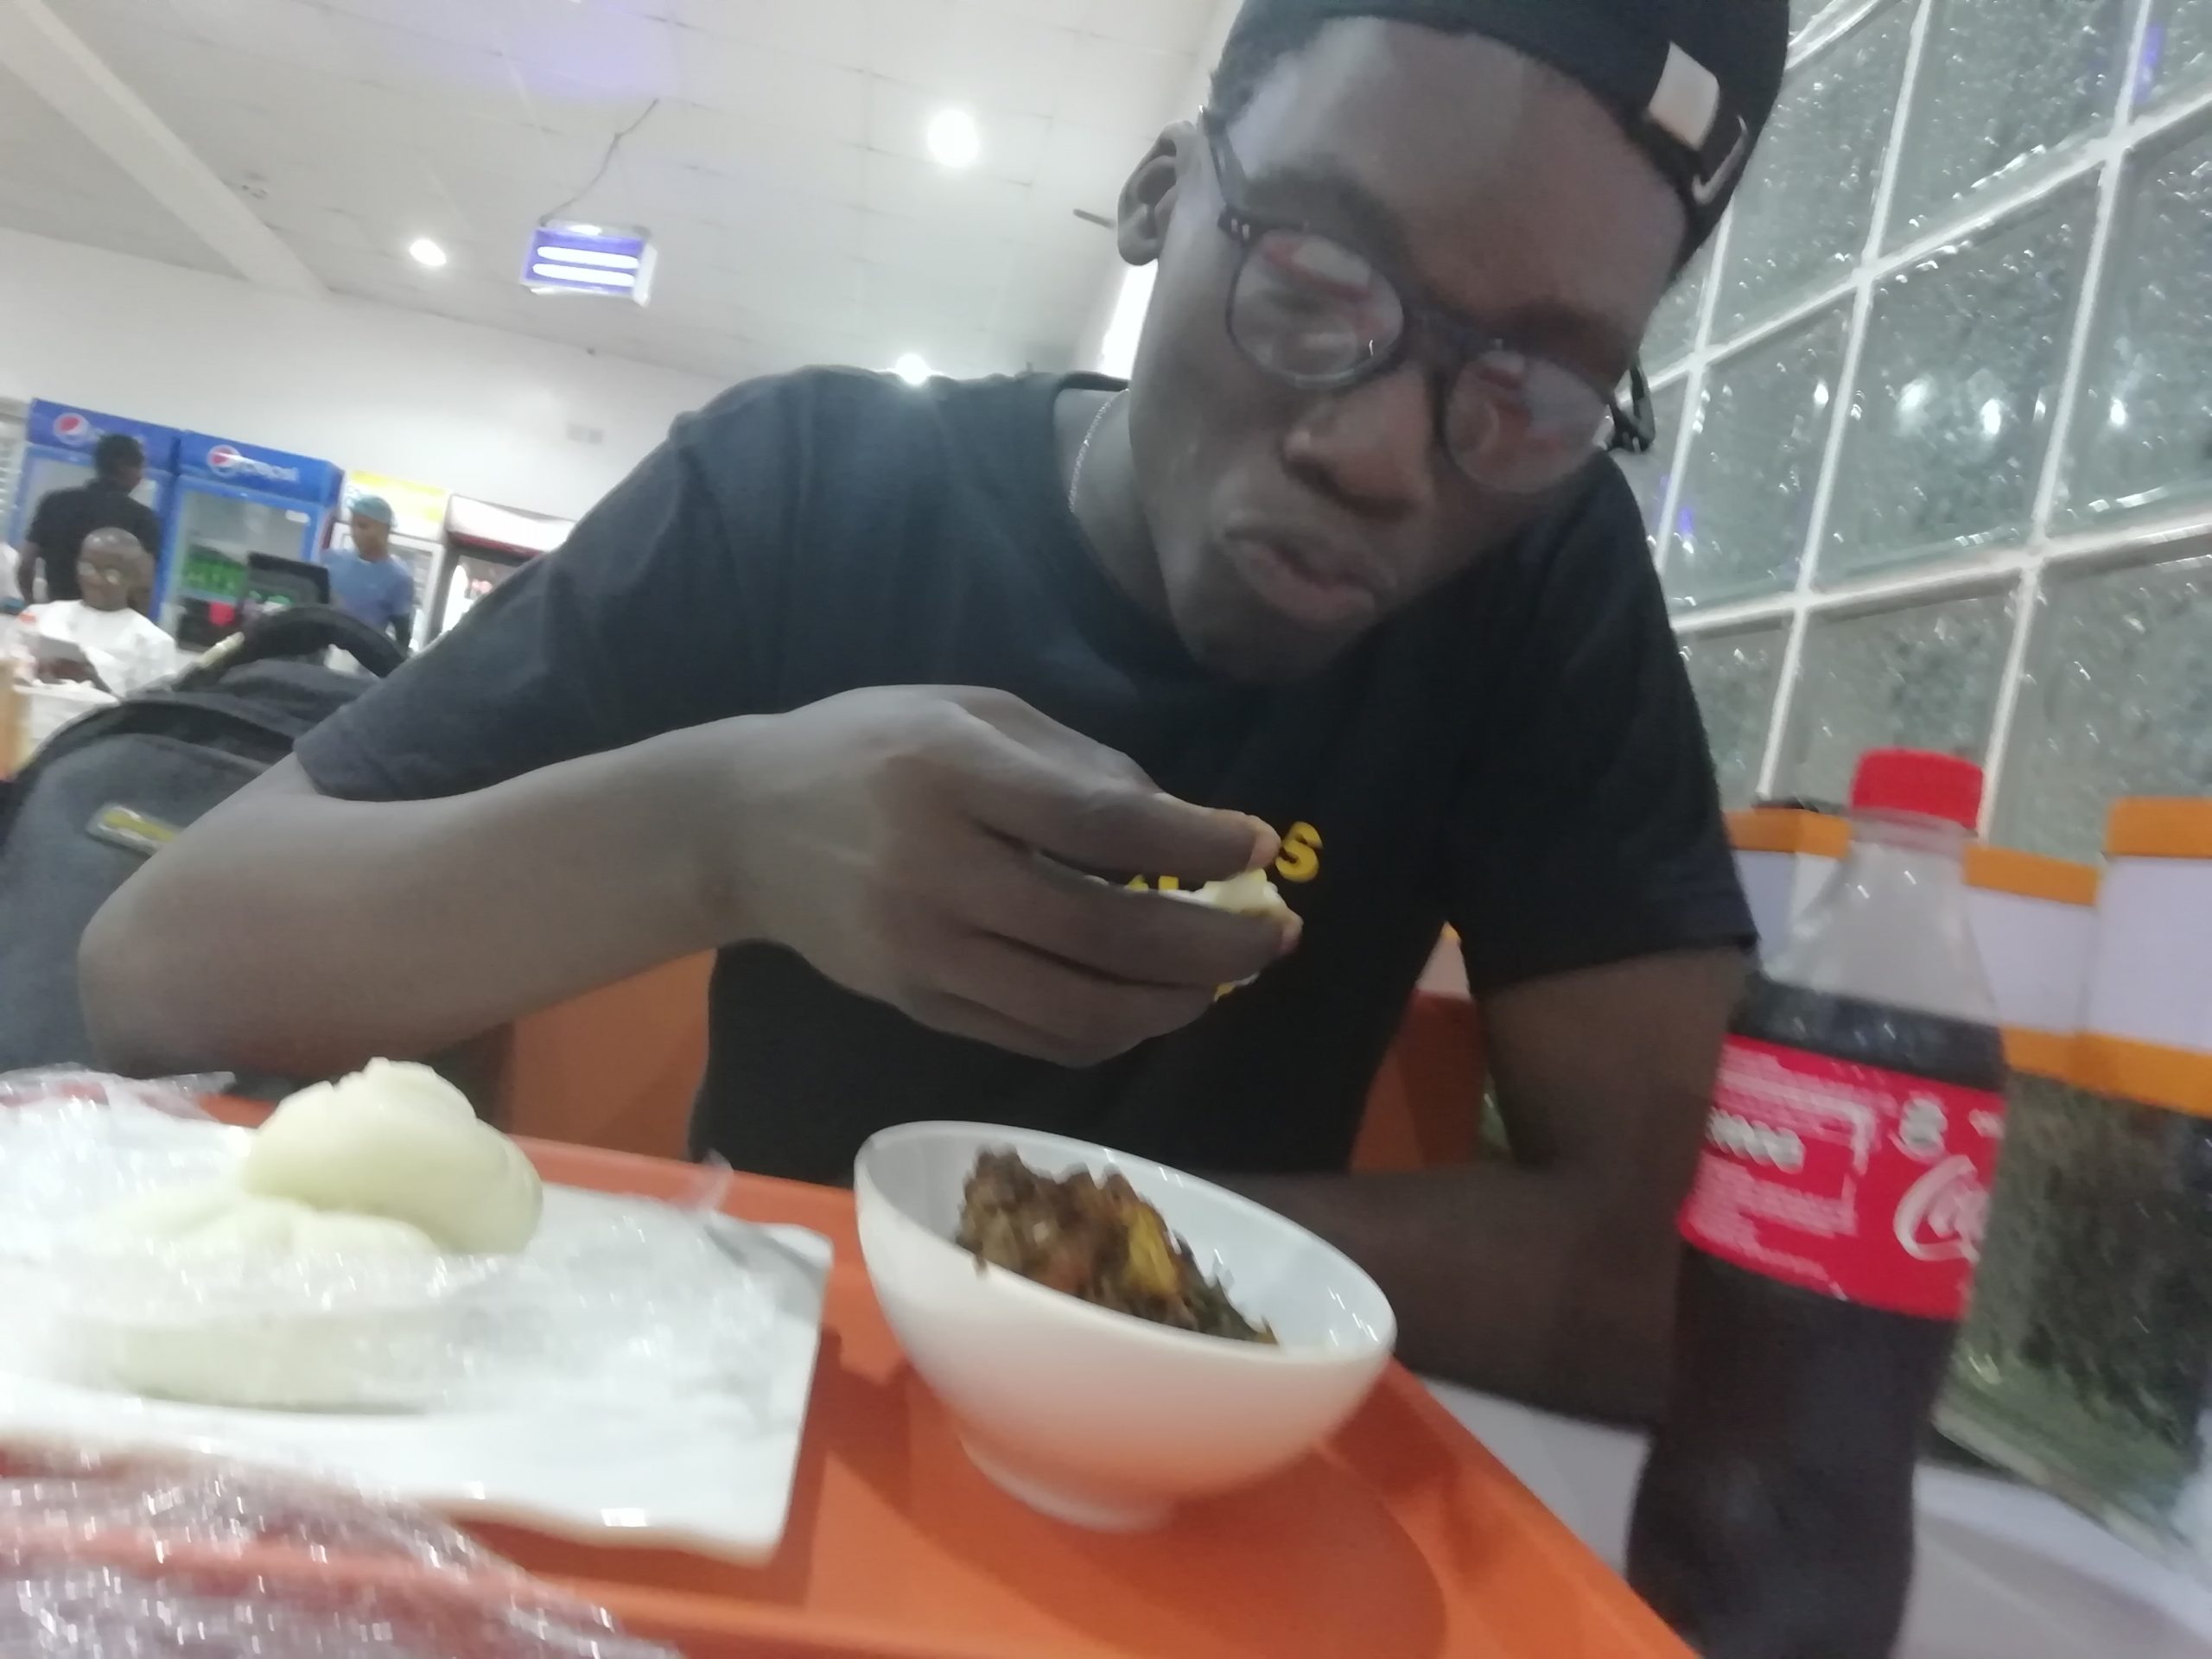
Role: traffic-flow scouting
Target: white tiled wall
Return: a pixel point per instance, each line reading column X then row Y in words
column 1935, row 462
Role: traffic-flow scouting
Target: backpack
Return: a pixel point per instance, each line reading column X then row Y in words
column 115, row 786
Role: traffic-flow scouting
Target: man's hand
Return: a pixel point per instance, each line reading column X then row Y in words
column 928, row 847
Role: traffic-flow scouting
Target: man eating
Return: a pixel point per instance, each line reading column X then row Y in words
column 864, row 686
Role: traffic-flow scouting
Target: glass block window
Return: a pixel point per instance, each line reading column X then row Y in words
column 1808, row 203
column 1957, row 392
column 2176, row 50
column 1648, row 473
column 1736, row 676
column 1983, row 229
column 1803, row 13
column 1924, row 676
column 2115, row 699
column 1755, row 454
column 2142, row 435
column 2003, row 84
column 1674, row 324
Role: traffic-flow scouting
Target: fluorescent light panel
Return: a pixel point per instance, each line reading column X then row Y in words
column 567, row 258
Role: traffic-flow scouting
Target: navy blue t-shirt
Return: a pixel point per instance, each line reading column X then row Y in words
column 1519, row 753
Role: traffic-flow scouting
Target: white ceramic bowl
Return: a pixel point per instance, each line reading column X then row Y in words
column 1096, row 1417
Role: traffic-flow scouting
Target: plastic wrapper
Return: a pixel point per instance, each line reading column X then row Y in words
column 145, row 1560
column 609, row 1290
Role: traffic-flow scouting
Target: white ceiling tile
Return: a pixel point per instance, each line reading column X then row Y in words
column 952, row 275
column 227, row 136
column 1177, row 26
column 476, row 24
column 561, row 106
column 408, row 61
column 498, row 100
column 1118, row 87
column 1083, row 167
column 164, row 68
column 822, row 290
column 285, row 31
column 968, row 203
column 962, row 54
column 103, row 23
column 456, row 127
column 774, row 218
column 621, row 54
column 835, row 31
column 742, row 148
column 653, row 188
column 806, row 95
column 1061, row 14
column 898, row 122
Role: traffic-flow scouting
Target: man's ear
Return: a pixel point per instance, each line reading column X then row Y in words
column 1149, row 198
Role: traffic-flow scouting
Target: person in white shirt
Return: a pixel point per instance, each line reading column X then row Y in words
column 123, row 652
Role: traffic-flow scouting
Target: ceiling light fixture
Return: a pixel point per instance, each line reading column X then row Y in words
column 913, row 368
column 565, row 258
column 423, row 251
column 954, row 139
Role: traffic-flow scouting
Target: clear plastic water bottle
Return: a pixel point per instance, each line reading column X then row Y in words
column 1832, row 1233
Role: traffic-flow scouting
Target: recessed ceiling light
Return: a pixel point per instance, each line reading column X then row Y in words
column 953, row 139
column 913, row 368
column 423, row 251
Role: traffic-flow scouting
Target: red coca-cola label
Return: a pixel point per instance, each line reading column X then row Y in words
column 1847, row 1180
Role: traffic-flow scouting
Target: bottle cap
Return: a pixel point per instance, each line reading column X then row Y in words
column 1918, row 780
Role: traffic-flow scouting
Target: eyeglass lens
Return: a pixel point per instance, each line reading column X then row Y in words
column 1312, row 311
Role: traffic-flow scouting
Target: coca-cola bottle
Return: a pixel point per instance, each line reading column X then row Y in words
column 1832, row 1231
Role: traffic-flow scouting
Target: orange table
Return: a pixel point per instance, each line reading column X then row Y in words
column 1404, row 1540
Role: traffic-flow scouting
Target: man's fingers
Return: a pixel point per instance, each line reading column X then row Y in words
column 1123, row 933
column 1093, row 819
column 1048, row 1008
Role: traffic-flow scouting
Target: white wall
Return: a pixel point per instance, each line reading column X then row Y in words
column 371, row 387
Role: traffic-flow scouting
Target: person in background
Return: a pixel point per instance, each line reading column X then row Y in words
column 368, row 583
column 864, row 685
column 112, row 645
column 64, row 518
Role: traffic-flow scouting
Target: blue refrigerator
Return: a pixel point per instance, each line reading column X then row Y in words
column 234, row 500
column 58, row 455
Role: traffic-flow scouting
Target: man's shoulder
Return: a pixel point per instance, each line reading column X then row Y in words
column 831, row 411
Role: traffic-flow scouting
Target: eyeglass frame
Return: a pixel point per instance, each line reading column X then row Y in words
column 1634, row 430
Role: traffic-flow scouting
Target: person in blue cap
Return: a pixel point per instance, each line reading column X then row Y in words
column 368, row 583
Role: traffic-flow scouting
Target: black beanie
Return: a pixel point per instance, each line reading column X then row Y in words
column 1693, row 81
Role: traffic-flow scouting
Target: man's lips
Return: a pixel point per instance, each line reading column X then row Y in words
column 1303, row 583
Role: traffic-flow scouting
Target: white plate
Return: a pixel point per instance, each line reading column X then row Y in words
column 705, row 1464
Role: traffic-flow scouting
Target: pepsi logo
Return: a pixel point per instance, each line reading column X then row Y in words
column 75, row 429
column 227, row 461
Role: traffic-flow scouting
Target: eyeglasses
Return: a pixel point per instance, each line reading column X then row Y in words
column 1320, row 316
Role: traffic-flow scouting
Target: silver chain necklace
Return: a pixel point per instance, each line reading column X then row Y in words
column 1083, row 455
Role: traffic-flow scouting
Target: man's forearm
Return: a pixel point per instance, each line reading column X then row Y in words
column 1504, row 1279
column 399, row 928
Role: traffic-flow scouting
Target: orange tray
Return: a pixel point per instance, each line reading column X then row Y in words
column 1403, row 1539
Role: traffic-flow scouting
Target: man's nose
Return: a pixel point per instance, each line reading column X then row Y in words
column 1372, row 446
